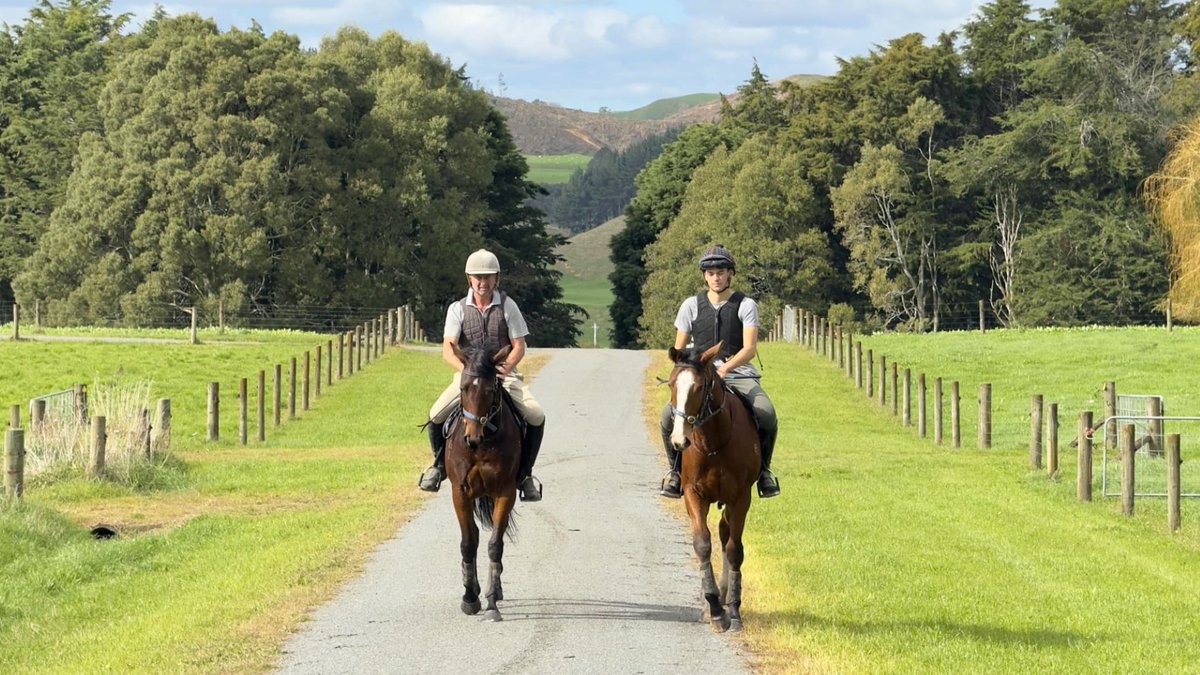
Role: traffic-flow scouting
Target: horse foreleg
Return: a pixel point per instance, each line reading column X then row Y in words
column 735, row 554
column 500, row 518
column 723, row 531
column 469, row 546
column 702, row 543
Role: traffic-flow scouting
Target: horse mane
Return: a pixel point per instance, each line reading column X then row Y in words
column 480, row 361
column 691, row 356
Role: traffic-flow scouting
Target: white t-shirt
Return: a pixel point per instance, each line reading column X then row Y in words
column 512, row 316
column 689, row 311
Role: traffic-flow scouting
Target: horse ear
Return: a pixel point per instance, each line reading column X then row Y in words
column 502, row 354
column 711, row 353
column 458, row 353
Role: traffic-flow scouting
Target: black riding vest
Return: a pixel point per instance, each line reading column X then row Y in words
column 486, row 328
column 716, row 325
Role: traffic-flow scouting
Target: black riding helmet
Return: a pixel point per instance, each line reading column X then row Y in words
column 717, row 257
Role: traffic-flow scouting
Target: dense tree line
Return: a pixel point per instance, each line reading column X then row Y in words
column 600, row 191
column 239, row 171
column 1002, row 163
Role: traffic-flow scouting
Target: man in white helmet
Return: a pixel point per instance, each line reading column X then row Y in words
column 486, row 316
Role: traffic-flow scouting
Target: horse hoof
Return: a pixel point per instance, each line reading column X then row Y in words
column 735, row 625
column 492, row 615
column 720, row 624
column 471, row 608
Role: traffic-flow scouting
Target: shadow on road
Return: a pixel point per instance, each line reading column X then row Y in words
column 547, row 608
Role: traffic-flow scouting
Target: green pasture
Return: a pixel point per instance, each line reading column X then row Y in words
column 554, row 169
column 176, row 370
column 886, row 553
column 211, row 575
column 585, row 278
column 1068, row 367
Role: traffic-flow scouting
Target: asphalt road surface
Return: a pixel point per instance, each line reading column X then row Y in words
column 601, row 578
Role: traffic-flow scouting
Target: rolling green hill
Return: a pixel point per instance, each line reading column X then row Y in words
column 585, row 278
column 666, row 107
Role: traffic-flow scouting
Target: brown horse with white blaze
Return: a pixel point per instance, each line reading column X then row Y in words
column 483, row 454
column 721, row 458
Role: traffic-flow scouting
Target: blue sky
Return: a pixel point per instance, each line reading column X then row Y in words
column 591, row 53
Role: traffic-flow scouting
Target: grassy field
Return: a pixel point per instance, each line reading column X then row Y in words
column 213, row 573
column 554, row 169
column 665, row 107
column 585, row 278
column 887, row 554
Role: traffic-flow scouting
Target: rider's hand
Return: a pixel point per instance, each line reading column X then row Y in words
column 503, row 369
column 723, row 371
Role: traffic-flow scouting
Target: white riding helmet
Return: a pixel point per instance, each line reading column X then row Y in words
column 483, row 261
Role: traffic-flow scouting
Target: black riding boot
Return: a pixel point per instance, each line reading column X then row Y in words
column 768, row 484
column 530, row 487
column 432, row 479
column 671, row 486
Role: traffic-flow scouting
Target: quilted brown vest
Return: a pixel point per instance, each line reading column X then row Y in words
column 486, row 328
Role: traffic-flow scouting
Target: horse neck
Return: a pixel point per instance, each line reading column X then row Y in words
column 716, row 430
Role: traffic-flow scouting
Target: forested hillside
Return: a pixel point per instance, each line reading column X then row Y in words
column 1002, row 165
column 180, row 166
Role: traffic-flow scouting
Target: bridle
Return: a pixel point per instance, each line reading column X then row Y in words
column 489, row 420
column 707, row 403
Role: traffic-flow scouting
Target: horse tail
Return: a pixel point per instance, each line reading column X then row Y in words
column 484, row 506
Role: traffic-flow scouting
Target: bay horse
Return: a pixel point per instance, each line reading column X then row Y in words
column 716, row 434
column 483, row 454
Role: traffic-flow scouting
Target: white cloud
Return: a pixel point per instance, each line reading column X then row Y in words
column 491, row 30
column 719, row 36
column 648, row 32
column 337, row 14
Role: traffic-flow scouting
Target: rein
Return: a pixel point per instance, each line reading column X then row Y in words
column 493, row 413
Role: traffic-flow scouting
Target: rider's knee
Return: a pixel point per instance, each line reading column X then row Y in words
column 667, row 419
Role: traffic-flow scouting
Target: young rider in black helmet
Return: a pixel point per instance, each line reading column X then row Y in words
column 720, row 314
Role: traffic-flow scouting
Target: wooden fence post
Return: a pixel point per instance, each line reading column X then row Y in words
column 1128, row 455
column 871, row 374
column 882, row 379
column 16, row 322
column 858, row 361
column 895, row 389
column 292, row 390
column 278, row 393
column 329, row 363
column 14, row 464
column 1035, row 432
column 307, row 376
column 921, row 419
column 351, row 338
column 39, row 415
column 937, row 411
column 1173, row 482
column 358, row 346
column 1052, row 440
column 317, row 379
column 341, row 343
column 981, row 324
column 985, row 416
column 99, row 440
column 15, row 418
column 955, row 415
column 1110, row 411
column 244, row 409
column 81, row 404
column 1154, row 428
column 368, row 340
column 1083, row 473
column 162, row 438
column 147, row 446
column 214, row 411
column 194, row 339
column 262, row 406
column 906, row 416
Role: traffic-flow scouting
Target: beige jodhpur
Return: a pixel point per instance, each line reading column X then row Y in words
column 525, row 403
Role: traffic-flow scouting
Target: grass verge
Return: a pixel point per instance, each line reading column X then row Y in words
column 887, row 554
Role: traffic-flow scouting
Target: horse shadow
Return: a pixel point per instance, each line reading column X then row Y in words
column 601, row 610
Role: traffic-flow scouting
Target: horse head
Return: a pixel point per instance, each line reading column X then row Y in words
column 691, row 385
column 479, row 388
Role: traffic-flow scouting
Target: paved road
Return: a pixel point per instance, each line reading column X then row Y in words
column 600, row 580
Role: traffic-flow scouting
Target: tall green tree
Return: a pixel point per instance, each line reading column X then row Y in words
column 52, row 68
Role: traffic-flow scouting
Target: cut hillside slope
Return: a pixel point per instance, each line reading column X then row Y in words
column 585, row 279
